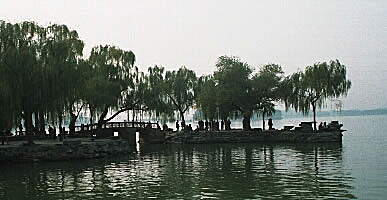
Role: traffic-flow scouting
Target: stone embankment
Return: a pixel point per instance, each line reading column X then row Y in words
column 239, row 136
column 302, row 134
column 67, row 150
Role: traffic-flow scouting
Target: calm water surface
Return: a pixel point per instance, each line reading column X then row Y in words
column 357, row 168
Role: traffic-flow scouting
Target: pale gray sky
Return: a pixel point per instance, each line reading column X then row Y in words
column 194, row 33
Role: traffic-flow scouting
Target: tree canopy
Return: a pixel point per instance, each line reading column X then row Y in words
column 44, row 78
column 268, row 87
column 319, row 82
column 235, row 88
column 37, row 64
column 180, row 88
column 112, row 75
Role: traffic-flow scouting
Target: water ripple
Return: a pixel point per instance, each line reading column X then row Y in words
column 224, row 171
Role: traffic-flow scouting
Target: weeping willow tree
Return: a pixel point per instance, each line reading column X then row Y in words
column 136, row 96
column 160, row 93
column 21, row 68
column 133, row 96
column 155, row 99
column 10, row 104
column 38, row 64
column 147, row 96
column 60, row 52
column 267, row 86
column 236, row 89
column 112, row 74
column 9, row 110
column 310, row 89
column 208, row 98
column 78, row 99
column 181, row 90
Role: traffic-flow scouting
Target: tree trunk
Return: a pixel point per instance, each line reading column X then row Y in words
column 182, row 118
column 91, row 108
column 133, row 114
column 42, row 123
column 28, row 126
column 36, row 123
column 60, row 117
column 246, row 121
column 73, row 119
column 314, row 116
column 102, row 117
column 61, row 129
column 263, row 120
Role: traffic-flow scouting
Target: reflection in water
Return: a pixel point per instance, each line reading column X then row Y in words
column 232, row 171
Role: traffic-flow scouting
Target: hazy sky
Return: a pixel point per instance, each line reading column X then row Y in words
column 173, row 33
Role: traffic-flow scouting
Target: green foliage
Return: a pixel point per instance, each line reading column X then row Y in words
column 38, row 64
column 19, row 67
column 267, row 85
column 235, row 89
column 181, row 89
column 208, row 98
column 160, row 94
column 111, row 74
column 311, row 88
column 43, row 74
column 60, row 52
column 233, row 80
column 155, row 98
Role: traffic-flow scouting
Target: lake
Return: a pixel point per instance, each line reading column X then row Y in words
column 355, row 169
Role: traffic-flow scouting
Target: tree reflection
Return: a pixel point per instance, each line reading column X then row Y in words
column 223, row 171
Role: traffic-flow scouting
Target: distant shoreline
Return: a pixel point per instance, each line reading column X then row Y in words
column 379, row 111
column 282, row 114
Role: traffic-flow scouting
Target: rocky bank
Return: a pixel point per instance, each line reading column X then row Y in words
column 67, row 150
column 238, row 136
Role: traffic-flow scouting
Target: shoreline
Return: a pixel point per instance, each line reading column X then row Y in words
column 70, row 149
column 239, row 136
column 125, row 142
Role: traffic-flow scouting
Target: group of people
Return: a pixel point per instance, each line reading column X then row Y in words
column 4, row 136
column 207, row 125
column 210, row 125
column 333, row 125
column 34, row 131
column 51, row 133
column 323, row 126
column 183, row 126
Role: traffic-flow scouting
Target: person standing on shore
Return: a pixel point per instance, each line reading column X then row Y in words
column 270, row 123
column 201, row 125
column 177, row 125
column 320, row 127
column 54, row 133
column 2, row 137
column 20, row 129
column 228, row 125
column 182, row 125
column 51, row 132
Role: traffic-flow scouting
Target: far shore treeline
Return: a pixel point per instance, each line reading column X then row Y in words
column 44, row 77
